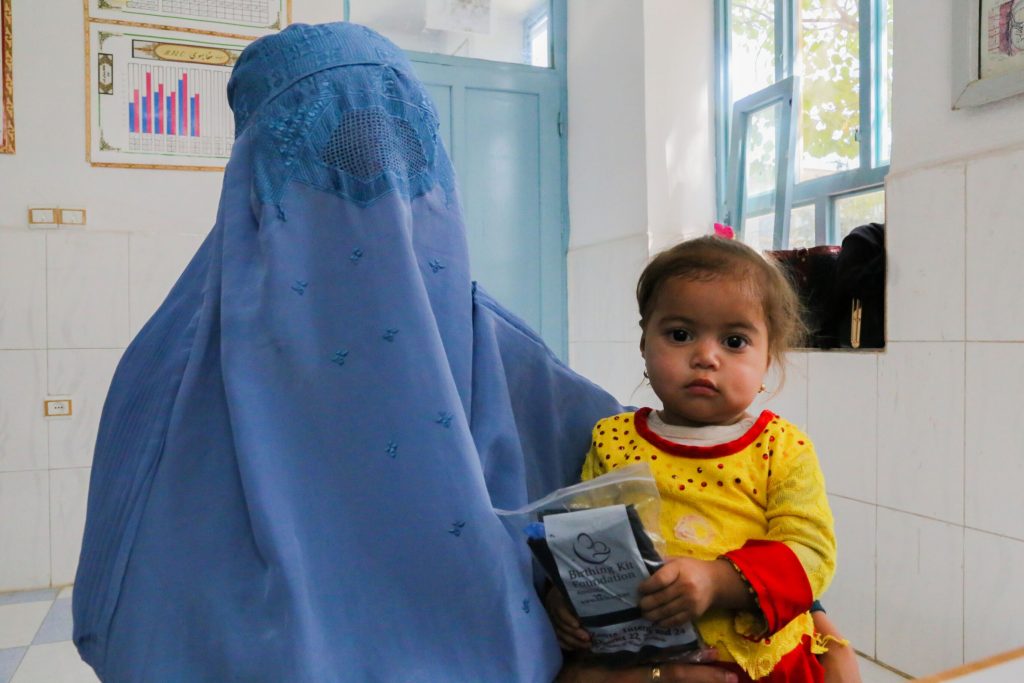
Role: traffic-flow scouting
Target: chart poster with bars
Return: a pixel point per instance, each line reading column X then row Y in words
column 158, row 98
column 246, row 17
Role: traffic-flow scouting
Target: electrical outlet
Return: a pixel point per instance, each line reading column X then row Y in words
column 39, row 217
column 71, row 216
column 57, row 407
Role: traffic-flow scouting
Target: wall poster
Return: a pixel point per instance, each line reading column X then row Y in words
column 988, row 51
column 251, row 17
column 6, row 80
column 157, row 97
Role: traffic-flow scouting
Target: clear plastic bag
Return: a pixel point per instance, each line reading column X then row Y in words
column 596, row 545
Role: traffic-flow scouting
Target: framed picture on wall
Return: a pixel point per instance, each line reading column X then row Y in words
column 6, row 80
column 250, row 17
column 157, row 97
column 988, row 51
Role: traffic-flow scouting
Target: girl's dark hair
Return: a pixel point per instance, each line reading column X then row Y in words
column 707, row 258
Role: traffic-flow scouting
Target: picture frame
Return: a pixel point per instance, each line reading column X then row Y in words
column 6, row 79
column 156, row 97
column 249, row 17
column 988, row 51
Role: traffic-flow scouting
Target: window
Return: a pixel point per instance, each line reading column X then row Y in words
column 513, row 31
column 841, row 53
column 536, row 43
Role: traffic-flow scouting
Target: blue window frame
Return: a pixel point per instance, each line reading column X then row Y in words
column 769, row 118
column 841, row 50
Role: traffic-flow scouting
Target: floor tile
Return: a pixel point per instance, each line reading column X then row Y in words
column 65, row 592
column 9, row 660
column 19, row 622
column 54, row 663
column 57, row 625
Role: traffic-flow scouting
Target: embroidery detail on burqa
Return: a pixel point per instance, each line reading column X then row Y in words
column 435, row 265
column 456, row 529
column 526, row 605
column 389, row 334
column 300, row 287
column 356, row 255
column 341, row 133
column 391, row 449
column 337, row 107
column 369, row 142
column 444, row 419
column 339, row 357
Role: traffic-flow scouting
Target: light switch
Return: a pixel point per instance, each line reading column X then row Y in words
column 71, row 216
column 43, row 217
column 57, row 407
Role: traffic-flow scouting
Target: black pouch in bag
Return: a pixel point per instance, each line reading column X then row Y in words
column 592, row 542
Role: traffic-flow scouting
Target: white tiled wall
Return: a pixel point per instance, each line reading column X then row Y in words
column 921, row 428
column 926, row 283
column 69, row 303
column 22, row 427
column 86, row 290
column 85, row 375
column 995, row 433
column 851, row 597
column 920, row 593
column 22, row 290
column 994, row 245
column 25, row 529
column 786, row 390
column 156, row 261
column 993, row 594
column 842, row 416
column 69, row 490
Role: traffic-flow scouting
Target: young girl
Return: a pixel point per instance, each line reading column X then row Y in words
column 749, row 535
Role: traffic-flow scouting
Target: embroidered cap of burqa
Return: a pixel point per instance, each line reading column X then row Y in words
column 300, row 452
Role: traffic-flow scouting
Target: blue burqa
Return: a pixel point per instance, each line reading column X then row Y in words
column 300, row 453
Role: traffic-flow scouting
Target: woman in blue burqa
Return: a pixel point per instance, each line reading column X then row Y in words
column 300, row 453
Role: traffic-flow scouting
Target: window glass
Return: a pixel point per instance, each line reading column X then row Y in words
column 828, row 61
column 759, row 231
column 801, row 227
column 499, row 30
column 858, row 209
column 760, row 157
column 885, row 106
column 539, row 40
column 752, row 65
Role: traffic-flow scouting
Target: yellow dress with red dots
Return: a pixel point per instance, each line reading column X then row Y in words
column 763, row 486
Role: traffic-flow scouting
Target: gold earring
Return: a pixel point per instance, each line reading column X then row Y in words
column 762, row 389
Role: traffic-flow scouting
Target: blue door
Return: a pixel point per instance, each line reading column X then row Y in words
column 502, row 126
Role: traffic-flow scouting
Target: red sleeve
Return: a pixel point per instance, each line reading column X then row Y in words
column 777, row 579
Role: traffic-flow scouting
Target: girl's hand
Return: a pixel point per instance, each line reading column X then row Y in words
column 681, row 591
column 571, row 636
column 684, row 588
column 840, row 662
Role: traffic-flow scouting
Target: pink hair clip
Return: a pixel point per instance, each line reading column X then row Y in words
column 724, row 231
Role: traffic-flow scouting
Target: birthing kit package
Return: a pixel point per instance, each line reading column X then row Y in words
column 594, row 543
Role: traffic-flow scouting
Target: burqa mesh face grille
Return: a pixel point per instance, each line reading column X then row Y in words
column 369, row 142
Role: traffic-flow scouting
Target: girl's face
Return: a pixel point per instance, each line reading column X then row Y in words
column 706, row 350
